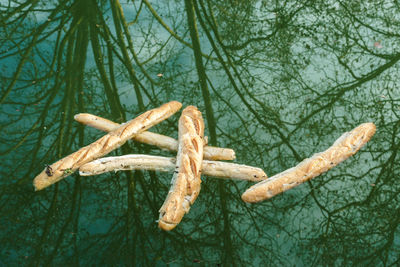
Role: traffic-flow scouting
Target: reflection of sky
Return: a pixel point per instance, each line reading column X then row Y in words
column 293, row 88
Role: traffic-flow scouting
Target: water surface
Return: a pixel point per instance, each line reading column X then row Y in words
column 277, row 81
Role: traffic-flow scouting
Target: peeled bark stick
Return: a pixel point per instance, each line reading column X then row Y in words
column 156, row 163
column 104, row 145
column 161, row 141
column 347, row 145
column 185, row 184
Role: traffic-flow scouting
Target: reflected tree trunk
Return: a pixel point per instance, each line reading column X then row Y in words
column 276, row 81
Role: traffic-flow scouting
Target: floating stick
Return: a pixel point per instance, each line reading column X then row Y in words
column 161, row 141
column 347, row 145
column 66, row 166
column 156, row 163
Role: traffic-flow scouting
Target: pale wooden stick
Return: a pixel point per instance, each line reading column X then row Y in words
column 67, row 165
column 217, row 169
column 185, row 183
column 347, row 145
column 161, row 141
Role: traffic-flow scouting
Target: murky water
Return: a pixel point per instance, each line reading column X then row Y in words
column 275, row 81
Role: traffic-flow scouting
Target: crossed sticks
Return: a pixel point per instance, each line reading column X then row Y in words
column 188, row 165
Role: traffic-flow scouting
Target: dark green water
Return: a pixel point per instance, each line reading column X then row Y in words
column 277, row 81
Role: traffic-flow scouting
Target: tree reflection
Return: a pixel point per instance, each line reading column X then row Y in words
column 276, row 80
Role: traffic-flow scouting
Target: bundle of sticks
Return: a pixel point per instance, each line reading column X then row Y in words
column 194, row 157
